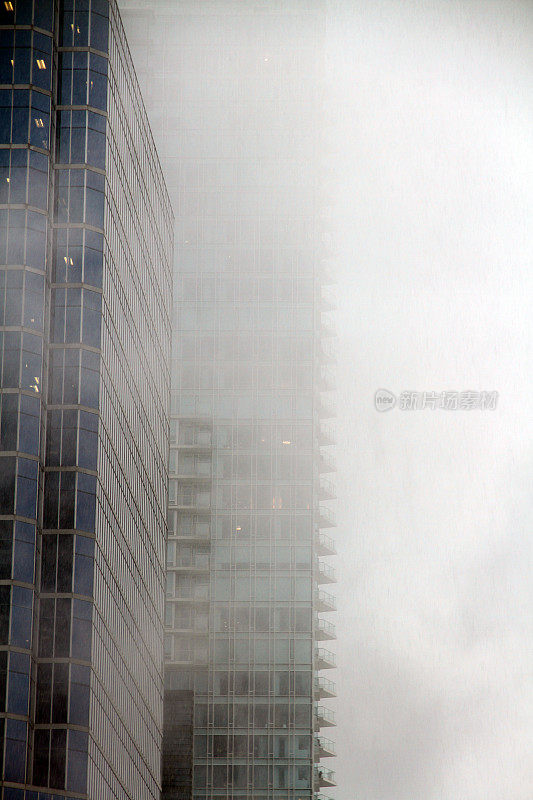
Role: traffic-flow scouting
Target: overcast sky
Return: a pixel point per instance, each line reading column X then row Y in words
column 431, row 188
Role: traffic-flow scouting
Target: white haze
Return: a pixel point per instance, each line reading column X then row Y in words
column 432, row 202
column 429, row 114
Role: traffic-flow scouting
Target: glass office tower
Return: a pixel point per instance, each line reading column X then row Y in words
column 234, row 97
column 85, row 284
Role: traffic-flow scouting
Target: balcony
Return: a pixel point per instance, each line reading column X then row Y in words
column 326, row 410
column 196, row 563
column 194, row 439
column 326, row 464
column 324, row 601
column 324, row 717
column 325, row 518
column 325, row 631
column 324, row 777
column 326, row 352
column 326, row 436
column 327, row 267
column 324, row 748
column 324, row 545
column 190, row 500
column 326, row 490
column 325, row 659
column 325, row 573
column 327, row 326
column 324, row 688
column 326, row 380
column 191, row 533
column 328, row 299
column 191, row 475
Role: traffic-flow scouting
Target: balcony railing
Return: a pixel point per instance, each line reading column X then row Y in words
column 324, row 688
column 326, row 436
column 324, row 545
column 327, row 352
column 326, row 464
column 326, row 410
column 324, row 777
column 327, row 267
column 325, row 717
column 326, row 380
column 191, row 500
column 325, row 747
column 324, row 601
column 327, row 326
column 326, row 490
column 325, row 630
column 325, row 573
column 325, row 659
column 198, row 562
column 191, row 475
column 328, row 298
column 325, row 517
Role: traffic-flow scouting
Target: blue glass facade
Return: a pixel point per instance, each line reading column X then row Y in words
column 81, row 336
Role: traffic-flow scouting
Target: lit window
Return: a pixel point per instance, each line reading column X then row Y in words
column 39, row 123
column 41, row 63
column 9, row 6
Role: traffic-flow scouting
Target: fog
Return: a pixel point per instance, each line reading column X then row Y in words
column 431, row 177
column 428, row 116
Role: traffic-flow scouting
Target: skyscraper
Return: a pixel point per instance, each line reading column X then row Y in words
column 234, row 96
column 85, row 253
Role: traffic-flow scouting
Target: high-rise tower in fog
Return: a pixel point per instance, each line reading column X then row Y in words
column 234, row 93
column 85, row 286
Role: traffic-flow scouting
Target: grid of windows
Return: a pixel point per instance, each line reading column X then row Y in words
column 235, row 103
column 85, row 272
column 25, row 159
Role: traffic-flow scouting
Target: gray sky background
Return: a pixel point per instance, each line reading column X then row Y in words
column 431, row 184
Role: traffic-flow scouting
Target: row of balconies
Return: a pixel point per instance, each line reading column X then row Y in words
column 324, row 544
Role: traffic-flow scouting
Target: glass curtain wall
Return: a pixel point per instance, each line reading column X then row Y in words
column 84, row 331
column 235, row 102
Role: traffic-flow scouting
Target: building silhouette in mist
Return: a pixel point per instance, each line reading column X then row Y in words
column 85, row 284
column 234, row 98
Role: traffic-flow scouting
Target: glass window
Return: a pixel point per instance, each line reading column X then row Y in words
column 77, row 761
column 15, row 751
column 19, row 684
column 84, row 566
column 41, row 755
column 24, row 560
column 79, row 694
column 27, row 487
column 82, row 629
column 6, row 548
